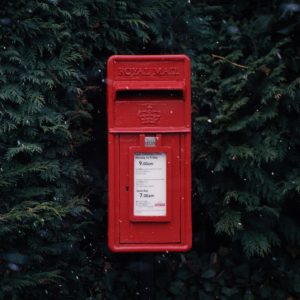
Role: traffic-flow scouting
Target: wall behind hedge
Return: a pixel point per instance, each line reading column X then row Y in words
column 246, row 137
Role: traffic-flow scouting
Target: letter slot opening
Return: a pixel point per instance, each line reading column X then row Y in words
column 149, row 95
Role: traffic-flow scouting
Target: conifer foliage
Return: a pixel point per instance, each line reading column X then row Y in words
column 41, row 180
column 246, row 145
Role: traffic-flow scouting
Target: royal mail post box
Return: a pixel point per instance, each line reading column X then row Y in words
column 149, row 153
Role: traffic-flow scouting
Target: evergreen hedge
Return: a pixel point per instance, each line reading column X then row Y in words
column 246, row 142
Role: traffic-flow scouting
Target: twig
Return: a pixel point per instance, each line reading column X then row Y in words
column 229, row 61
column 92, row 87
column 184, row 261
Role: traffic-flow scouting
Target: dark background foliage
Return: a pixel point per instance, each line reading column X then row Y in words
column 246, row 142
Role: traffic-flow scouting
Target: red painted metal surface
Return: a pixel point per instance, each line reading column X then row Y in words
column 149, row 135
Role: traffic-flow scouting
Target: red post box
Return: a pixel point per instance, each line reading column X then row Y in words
column 149, row 153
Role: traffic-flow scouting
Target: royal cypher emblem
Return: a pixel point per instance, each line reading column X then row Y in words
column 149, row 116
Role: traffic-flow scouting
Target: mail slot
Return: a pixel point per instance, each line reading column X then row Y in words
column 149, row 153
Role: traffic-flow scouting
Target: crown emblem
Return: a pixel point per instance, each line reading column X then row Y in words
column 149, row 116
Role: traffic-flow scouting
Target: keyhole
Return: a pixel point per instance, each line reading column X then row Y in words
column 127, row 188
